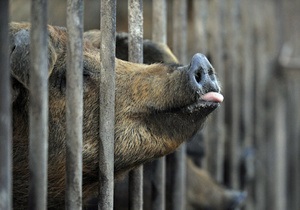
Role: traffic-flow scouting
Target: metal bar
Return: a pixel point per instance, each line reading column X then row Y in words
column 38, row 109
column 135, row 54
column 107, row 101
column 215, row 132
column 178, row 158
column 136, row 189
column 180, row 30
column 220, row 133
column 5, row 113
column 199, row 44
column 176, row 162
column 276, row 145
column 296, row 180
column 293, row 162
column 296, row 201
column 248, row 98
column 74, row 104
column 159, row 21
column 279, row 153
column 159, row 34
column 200, row 26
column 233, row 68
column 259, row 108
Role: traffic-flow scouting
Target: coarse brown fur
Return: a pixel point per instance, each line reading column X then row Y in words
column 156, row 110
column 153, row 52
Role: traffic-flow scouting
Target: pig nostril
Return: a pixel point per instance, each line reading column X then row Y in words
column 198, row 76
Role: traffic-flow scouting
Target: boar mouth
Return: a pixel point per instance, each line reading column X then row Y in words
column 210, row 100
column 202, row 105
column 206, row 103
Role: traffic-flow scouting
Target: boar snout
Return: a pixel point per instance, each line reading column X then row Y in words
column 202, row 76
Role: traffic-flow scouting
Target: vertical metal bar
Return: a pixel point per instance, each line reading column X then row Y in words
column 289, row 184
column 5, row 113
column 296, row 87
column 279, row 173
column 135, row 54
column 296, row 127
column 259, row 108
column 107, row 101
column 178, row 158
column 159, row 34
column 248, row 97
column 234, row 72
column 215, row 135
column 180, row 30
column 74, row 104
column 219, row 134
column 159, row 21
column 293, row 145
column 296, row 192
column 199, row 25
column 38, row 109
column 177, row 164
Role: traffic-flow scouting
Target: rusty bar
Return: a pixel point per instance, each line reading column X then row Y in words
column 159, row 34
column 178, row 158
column 107, row 101
column 74, row 104
column 5, row 113
column 38, row 109
column 135, row 54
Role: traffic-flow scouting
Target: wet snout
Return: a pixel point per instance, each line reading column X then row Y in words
column 202, row 75
column 203, row 79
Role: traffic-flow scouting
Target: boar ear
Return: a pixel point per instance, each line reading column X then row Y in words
column 20, row 56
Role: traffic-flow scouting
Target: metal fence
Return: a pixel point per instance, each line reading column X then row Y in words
column 251, row 142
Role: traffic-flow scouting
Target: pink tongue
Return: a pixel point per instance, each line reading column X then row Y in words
column 213, row 97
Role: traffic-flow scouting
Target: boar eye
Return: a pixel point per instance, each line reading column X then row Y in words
column 86, row 73
column 62, row 83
